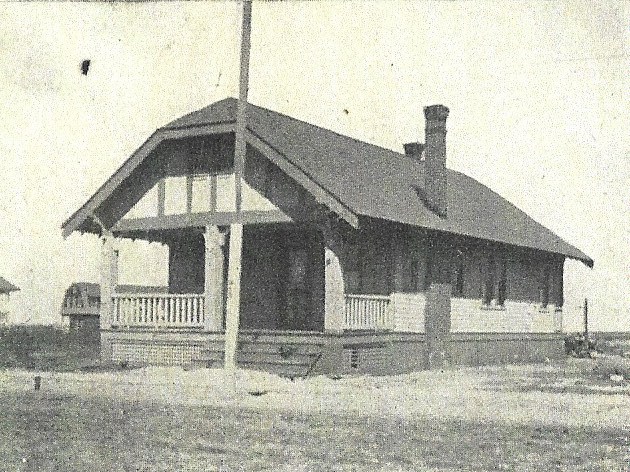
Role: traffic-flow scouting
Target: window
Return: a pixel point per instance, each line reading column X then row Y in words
column 414, row 276
column 494, row 286
column 298, row 264
column 545, row 285
column 488, row 282
column 458, row 275
column 502, row 288
column 352, row 269
column 428, row 275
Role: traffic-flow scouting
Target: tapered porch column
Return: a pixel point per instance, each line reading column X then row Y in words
column 213, row 279
column 334, row 300
column 109, row 279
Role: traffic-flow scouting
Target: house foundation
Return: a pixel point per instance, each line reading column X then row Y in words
column 306, row 354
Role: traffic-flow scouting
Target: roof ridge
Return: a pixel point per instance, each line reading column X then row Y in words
column 168, row 125
column 284, row 115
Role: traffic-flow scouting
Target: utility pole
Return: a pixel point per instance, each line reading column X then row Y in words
column 586, row 317
column 236, row 228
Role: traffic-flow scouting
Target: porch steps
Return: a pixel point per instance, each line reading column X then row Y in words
column 284, row 359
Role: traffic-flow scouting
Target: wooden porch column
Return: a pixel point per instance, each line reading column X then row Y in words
column 109, row 279
column 213, row 279
column 334, row 300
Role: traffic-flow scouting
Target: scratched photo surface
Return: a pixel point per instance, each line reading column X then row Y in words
column 313, row 236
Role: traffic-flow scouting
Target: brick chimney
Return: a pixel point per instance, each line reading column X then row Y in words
column 435, row 184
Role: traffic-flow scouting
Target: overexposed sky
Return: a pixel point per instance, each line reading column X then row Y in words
column 539, row 94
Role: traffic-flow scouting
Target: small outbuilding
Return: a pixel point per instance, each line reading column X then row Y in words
column 81, row 306
column 6, row 288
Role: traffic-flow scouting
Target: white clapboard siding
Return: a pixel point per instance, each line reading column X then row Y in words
column 470, row 316
column 408, row 311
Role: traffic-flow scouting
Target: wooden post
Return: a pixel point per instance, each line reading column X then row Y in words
column 109, row 276
column 334, row 298
column 232, row 318
column 586, row 317
column 236, row 229
column 213, row 279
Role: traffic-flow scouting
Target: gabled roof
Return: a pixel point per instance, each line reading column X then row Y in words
column 7, row 287
column 371, row 181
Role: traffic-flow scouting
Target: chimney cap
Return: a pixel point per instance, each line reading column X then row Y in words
column 436, row 113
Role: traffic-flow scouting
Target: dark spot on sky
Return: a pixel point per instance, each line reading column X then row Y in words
column 345, row 110
column 85, row 66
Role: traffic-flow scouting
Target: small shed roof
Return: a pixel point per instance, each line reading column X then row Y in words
column 94, row 290
column 6, row 286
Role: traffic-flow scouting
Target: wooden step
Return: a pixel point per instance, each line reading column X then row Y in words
column 270, row 358
column 285, row 359
column 283, row 370
column 206, row 363
column 279, row 347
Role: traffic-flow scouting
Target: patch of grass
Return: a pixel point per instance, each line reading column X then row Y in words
column 46, row 432
column 46, row 348
column 612, row 365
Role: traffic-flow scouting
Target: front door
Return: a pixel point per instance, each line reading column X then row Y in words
column 297, row 294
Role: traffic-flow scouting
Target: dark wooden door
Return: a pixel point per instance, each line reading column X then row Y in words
column 297, row 296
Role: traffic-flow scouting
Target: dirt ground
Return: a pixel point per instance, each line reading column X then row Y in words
column 562, row 416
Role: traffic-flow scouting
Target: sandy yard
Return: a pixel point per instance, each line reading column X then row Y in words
column 542, row 417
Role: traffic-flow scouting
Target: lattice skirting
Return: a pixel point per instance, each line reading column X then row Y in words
column 150, row 352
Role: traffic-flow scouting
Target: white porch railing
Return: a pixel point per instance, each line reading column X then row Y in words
column 158, row 310
column 368, row 312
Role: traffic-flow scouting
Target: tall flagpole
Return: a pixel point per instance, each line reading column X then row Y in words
column 236, row 229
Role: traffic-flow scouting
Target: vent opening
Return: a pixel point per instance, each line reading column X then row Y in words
column 354, row 358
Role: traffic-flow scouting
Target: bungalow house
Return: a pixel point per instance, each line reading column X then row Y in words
column 6, row 288
column 355, row 258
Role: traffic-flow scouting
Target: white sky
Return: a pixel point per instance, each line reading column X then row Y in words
column 539, row 97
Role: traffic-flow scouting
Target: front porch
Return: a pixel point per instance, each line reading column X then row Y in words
column 380, row 335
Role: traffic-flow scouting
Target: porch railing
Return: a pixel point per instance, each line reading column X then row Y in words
column 80, row 304
column 159, row 310
column 368, row 312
